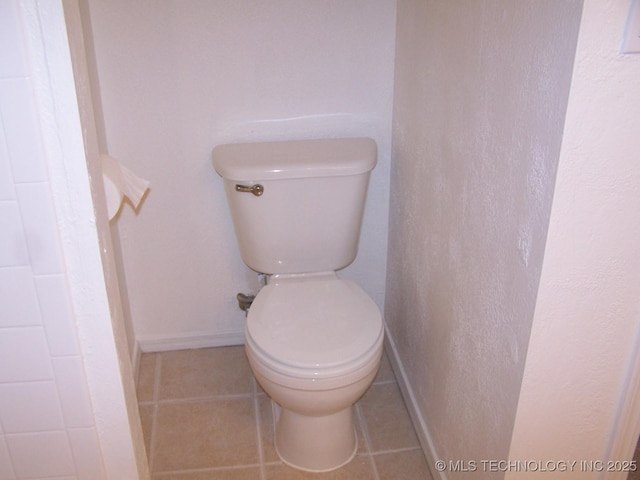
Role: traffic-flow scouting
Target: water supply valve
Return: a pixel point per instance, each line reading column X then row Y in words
column 245, row 301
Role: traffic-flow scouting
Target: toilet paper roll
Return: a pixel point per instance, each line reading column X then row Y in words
column 120, row 182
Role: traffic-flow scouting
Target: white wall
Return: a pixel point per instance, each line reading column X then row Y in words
column 588, row 310
column 480, row 94
column 177, row 78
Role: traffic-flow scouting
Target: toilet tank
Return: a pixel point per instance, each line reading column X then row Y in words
column 307, row 214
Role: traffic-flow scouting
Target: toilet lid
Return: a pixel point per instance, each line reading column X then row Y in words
column 309, row 324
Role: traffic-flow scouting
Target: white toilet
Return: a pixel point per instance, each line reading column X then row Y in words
column 314, row 341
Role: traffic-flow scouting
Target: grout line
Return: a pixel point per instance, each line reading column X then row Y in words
column 384, row 382
column 204, row 398
column 396, row 450
column 154, row 413
column 204, row 470
column 367, row 440
column 156, row 377
column 363, row 426
column 257, row 419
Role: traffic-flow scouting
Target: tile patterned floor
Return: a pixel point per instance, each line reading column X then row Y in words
column 204, row 417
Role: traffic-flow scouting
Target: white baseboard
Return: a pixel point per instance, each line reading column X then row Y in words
column 160, row 343
column 417, row 419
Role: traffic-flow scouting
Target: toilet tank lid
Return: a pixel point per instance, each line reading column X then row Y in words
column 295, row 159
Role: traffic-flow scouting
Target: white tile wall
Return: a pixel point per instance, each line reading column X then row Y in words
column 52, row 450
column 7, row 191
column 39, row 224
column 22, row 135
column 30, row 407
column 18, row 296
column 13, row 249
column 47, row 426
column 57, row 317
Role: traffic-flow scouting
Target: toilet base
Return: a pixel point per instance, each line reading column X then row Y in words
column 315, row 443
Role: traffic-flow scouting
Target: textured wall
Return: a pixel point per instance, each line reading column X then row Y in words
column 586, row 323
column 480, row 95
column 176, row 79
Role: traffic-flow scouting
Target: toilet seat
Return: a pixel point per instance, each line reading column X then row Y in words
column 314, row 327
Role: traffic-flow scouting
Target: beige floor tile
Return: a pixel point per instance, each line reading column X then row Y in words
column 385, row 374
column 387, row 420
column 204, row 372
column 362, row 443
column 204, row 434
column 242, row 473
column 205, row 423
column 266, row 429
column 358, row 469
column 406, row 465
column 146, row 377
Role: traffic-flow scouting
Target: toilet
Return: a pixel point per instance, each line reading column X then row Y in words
column 314, row 341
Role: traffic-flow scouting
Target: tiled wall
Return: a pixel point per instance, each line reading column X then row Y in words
column 46, row 421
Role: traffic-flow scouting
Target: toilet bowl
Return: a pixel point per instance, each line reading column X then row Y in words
column 314, row 343
column 313, row 340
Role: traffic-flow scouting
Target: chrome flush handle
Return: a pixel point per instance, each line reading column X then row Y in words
column 256, row 189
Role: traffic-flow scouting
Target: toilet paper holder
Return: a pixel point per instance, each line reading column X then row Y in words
column 120, row 182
